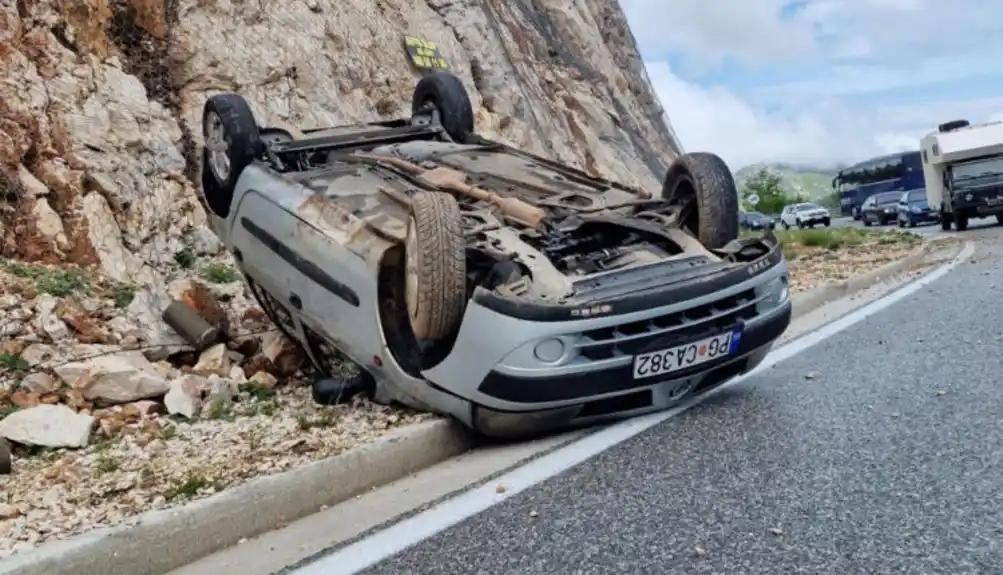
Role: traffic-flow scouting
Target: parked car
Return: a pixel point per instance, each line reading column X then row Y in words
column 881, row 209
column 470, row 278
column 755, row 221
column 913, row 209
column 804, row 215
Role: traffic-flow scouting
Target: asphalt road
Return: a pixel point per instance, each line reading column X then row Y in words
column 879, row 450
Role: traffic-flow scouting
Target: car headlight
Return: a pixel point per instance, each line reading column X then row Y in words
column 889, row 210
column 776, row 292
column 968, row 197
column 915, row 210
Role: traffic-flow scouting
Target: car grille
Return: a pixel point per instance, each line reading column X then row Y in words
column 670, row 329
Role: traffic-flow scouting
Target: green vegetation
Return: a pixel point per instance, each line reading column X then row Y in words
column 13, row 362
column 56, row 282
column 784, row 184
column 836, row 238
column 219, row 273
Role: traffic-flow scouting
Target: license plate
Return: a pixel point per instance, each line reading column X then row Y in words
column 680, row 357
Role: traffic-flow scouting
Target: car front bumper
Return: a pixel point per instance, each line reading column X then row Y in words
column 984, row 201
column 561, row 370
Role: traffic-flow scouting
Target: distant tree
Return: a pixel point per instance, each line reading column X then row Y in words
column 768, row 186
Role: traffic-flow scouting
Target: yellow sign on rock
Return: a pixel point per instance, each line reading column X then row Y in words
column 424, row 54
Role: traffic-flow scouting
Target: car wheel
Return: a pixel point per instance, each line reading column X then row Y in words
column 435, row 277
column 960, row 222
column 866, row 220
column 232, row 142
column 445, row 92
column 945, row 222
column 999, row 219
column 800, row 224
column 826, row 222
column 702, row 186
column 786, row 226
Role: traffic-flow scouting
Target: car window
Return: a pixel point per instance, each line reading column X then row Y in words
column 916, row 195
column 806, row 207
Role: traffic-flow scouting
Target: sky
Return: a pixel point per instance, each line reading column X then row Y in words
column 819, row 81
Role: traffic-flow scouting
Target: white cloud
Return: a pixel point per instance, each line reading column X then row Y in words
column 816, row 83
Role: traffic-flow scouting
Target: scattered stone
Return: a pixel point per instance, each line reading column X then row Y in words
column 112, row 379
column 264, row 379
column 47, row 426
column 214, row 361
column 185, row 396
column 39, row 382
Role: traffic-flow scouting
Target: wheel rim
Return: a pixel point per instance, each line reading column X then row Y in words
column 215, row 142
column 411, row 267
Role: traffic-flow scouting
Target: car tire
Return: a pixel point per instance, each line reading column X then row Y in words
column 232, row 141
column 800, row 224
column 867, row 221
column 960, row 222
column 945, row 222
column 703, row 187
column 435, row 277
column 826, row 222
column 786, row 226
column 999, row 219
column 912, row 223
column 445, row 92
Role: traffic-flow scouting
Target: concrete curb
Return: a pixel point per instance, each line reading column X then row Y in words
column 811, row 300
column 167, row 539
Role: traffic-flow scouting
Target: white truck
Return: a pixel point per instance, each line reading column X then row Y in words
column 963, row 169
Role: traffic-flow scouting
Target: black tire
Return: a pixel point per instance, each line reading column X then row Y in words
column 446, row 93
column 999, row 219
column 826, row 222
column 953, row 125
column 243, row 144
column 800, row 224
column 912, row 223
column 960, row 222
column 867, row 221
column 945, row 222
column 786, row 227
column 436, row 267
column 703, row 187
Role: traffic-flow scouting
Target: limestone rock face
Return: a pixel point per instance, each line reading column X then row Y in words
column 100, row 102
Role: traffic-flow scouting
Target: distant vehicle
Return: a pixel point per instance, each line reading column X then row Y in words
column 881, row 209
column 893, row 172
column 804, row 215
column 755, row 221
column 913, row 209
column 963, row 170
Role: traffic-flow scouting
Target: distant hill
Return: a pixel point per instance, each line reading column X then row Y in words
column 813, row 181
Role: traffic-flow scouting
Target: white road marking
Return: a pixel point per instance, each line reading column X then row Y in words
column 413, row 530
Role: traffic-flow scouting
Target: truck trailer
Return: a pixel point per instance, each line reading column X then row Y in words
column 963, row 172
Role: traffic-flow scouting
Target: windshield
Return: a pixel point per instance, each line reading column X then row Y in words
column 916, row 196
column 887, row 197
column 973, row 170
column 805, row 207
column 755, row 216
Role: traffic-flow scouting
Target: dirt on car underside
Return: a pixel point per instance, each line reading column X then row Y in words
column 531, row 228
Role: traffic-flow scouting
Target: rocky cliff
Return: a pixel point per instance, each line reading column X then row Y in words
column 100, row 104
column 100, row 101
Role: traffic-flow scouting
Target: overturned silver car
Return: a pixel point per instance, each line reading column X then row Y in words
column 472, row 279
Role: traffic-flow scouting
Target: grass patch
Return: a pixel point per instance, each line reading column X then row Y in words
column 190, row 487
column 185, row 258
column 56, row 282
column 837, row 238
column 13, row 362
column 122, row 294
column 219, row 273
